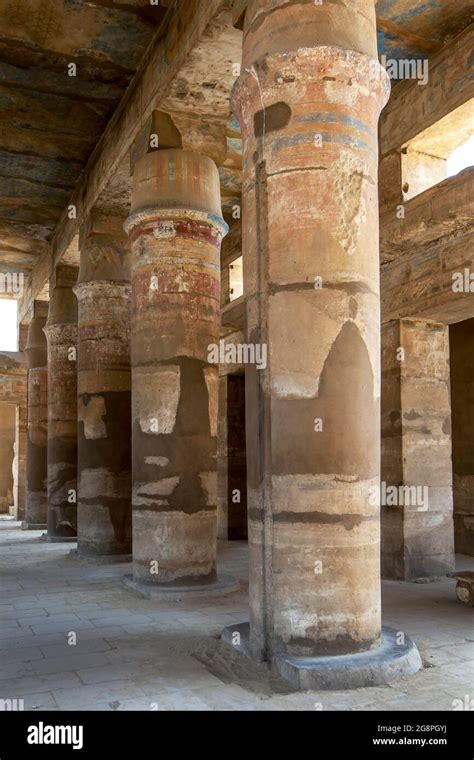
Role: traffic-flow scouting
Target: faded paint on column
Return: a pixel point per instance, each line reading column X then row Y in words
column 309, row 99
column 61, row 334
column 175, row 231
column 36, row 506
column 104, row 398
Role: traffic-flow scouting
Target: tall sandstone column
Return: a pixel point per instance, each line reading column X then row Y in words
column 61, row 335
column 21, row 435
column 309, row 98
column 175, row 229
column 104, row 445
column 36, row 505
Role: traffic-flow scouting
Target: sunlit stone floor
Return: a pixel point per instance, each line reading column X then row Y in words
column 135, row 654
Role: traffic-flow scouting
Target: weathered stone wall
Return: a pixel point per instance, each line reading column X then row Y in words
column 13, row 391
column 13, row 377
column 462, row 403
column 7, row 441
column 425, row 252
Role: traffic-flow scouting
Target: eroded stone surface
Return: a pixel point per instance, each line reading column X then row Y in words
column 175, row 230
column 104, row 397
column 61, row 334
column 36, row 505
column 309, row 101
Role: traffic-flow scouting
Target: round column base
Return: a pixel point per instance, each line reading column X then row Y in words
column 224, row 584
column 386, row 663
column 33, row 526
column 59, row 539
column 100, row 559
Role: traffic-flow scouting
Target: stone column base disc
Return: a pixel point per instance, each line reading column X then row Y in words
column 33, row 526
column 100, row 559
column 60, row 539
column 224, row 584
column 388, row 662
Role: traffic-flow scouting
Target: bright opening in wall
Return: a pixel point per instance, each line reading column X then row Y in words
column 439, row 152
column 8, row 324
column 236, row 279
column 461, row 158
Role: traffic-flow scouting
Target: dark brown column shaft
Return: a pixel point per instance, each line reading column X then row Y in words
column 309, row 99
column 36, row 506
column 175, row 230
column 61, row 334
column 104, row 443
column 462, row 399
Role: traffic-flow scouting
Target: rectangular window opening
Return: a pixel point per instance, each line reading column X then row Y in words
column 439, row 152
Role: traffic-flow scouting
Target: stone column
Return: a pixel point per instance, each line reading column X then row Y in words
column 36, row 505
column 21, row 438
column 231, row 458
column 308, row 99
column 175, row 229
column 417, row 479
column 104, row 446
column 222, row 462
column 21, row 427
column 236, row 459
column 462, row 399
column 61, row 335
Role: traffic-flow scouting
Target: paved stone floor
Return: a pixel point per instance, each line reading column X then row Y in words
column 134, row 654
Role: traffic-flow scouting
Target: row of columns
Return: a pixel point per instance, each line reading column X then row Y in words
column 141, row 314
column 309, row 99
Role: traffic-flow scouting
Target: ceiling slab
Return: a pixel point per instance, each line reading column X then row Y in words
column 50, row 121
column 65, row 139
column 417, row 28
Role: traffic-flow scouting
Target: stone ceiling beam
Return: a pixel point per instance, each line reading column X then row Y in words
column 187, row 30
column 421, row 254
column 413, row 108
